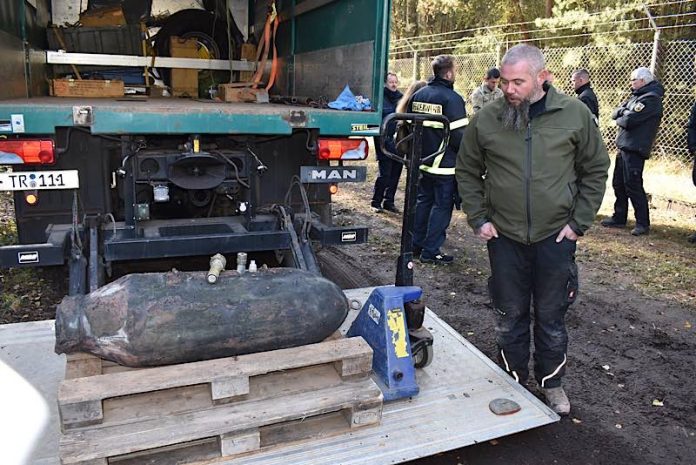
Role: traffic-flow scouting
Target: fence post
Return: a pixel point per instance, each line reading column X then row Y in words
column 654, row 59
column 415, row 65
column 654, row 63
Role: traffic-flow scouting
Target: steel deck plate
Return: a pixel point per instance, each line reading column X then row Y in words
column 450, row 412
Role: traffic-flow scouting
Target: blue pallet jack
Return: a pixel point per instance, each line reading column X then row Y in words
column 391, row 320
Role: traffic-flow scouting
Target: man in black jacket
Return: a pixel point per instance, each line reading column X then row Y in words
column 638, row 119
column 437, row 188
column 691, row 144
column 389, row 170
column 581, row 83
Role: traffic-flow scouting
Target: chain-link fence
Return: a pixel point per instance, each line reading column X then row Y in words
column 610, row 67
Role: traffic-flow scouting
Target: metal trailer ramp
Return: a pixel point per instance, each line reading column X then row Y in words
column 450, row 412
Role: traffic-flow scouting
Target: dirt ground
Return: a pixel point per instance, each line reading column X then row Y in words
column 631, row 367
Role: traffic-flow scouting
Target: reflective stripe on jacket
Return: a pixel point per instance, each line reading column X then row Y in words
column 439, row 98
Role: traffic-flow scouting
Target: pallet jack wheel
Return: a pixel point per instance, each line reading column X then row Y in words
column 423, row 357
column 421, row 347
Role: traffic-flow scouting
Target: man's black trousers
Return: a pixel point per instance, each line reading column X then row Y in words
column 628, row 184
column 388, row 179
column 543, row 275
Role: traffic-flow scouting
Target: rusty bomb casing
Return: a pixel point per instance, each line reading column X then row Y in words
column 176, row 317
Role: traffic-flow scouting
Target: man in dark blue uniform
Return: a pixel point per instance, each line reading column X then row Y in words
column 638, row 119
column 389, row 170
column 437, row 188
column 581, row 82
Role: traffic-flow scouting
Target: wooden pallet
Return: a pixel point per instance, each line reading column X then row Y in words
column 224, row 407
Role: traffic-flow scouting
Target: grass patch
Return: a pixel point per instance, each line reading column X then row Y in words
column 669, row 178
column 660, row 265
column 21, row 294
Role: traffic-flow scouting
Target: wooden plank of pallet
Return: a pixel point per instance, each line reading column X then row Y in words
column 81, row 365
column 362, row 401
column 208, row 451
column 80, row 400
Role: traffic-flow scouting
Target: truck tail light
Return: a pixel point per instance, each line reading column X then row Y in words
column 30, row 152
column 343, row 149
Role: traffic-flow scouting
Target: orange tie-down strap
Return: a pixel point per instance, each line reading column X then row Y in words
column 269, row 35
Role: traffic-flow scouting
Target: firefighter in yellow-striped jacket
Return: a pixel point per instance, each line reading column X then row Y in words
column 437, row 188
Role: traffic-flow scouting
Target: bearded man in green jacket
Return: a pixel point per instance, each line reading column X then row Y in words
column 531, row 172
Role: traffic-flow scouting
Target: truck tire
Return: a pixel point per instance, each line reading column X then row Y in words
column 204, row 26
column 337, row 266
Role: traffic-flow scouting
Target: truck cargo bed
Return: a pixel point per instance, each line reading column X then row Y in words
column 139, row 115
column 450, row 412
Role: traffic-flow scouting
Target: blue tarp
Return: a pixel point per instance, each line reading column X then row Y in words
column 348, row 101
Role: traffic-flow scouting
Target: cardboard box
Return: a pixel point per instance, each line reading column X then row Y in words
column 248, row 54
column 184, row 81
column 108, row 16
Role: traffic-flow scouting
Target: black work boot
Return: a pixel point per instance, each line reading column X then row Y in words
column 557, row 399
column 390, row 207
column 439, row 259
column 612, row 223
column 640, row 230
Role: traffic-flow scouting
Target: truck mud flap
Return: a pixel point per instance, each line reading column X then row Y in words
column 53, row 252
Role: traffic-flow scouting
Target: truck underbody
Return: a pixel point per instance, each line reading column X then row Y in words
column 153, row 195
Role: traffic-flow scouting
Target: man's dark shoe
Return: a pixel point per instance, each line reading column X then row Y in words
column 439, row 259
column 691, row 239
column 417, row 251
column 391, row 208
column 612, row 223
column 640, row 230
column 377, row 208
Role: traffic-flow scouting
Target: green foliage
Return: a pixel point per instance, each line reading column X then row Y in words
column 572, row 22
column 8, row 233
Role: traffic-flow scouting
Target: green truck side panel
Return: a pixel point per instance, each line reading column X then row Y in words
column 43, row 120
column 22, row 20
column 9, row 17
column 339, row 23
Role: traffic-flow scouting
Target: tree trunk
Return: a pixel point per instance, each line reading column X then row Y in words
column 517, row 7
column 412, row 18
column 549, row 8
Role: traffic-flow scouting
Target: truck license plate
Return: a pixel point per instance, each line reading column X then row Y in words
column 39, row 180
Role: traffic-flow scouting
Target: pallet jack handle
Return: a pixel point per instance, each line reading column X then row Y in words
column 412, row 161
